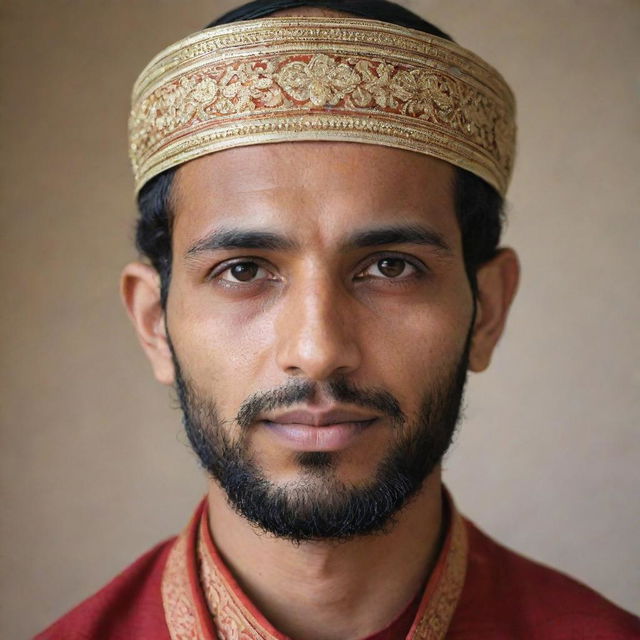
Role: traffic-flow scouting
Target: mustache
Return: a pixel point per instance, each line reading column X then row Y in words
column 339, row 390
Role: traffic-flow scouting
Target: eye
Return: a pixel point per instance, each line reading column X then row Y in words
column 247, row 272
column 390, row 268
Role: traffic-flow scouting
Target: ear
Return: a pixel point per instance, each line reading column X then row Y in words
column 140, row 291
column 497, row 285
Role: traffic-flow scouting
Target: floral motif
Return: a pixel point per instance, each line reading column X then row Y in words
column 376, row 86
column 247, row 86
column 171, row 107
column 322, row 81
column 424, row 94
column 412, row 102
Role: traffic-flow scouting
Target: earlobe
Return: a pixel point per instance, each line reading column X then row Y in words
column 497, row 285
column 140, row 291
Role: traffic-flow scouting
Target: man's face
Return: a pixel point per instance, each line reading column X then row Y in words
column 327, row 279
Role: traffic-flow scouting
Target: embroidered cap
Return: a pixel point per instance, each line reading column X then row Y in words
column 336, row 79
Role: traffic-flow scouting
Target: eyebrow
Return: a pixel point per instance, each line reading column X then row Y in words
column 398, row 234
column 226, row 238
column 240, row 239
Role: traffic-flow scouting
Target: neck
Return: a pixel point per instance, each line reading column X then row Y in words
column 349, row 590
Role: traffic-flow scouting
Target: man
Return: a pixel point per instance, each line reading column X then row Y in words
column 320, row 188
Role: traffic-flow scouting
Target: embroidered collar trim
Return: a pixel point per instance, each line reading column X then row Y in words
column 202, row 601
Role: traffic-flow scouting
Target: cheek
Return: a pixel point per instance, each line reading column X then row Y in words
column 424, row 339
column 229, row 349
column 415, row 345
column 222, row 346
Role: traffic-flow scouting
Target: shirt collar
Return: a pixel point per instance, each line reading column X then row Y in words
column 202, row 600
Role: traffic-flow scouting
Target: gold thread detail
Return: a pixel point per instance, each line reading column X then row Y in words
column 287, row 79
column 435, row 621
column 232, row 619
column 177, row 600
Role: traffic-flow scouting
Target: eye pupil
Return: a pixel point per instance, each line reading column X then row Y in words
column 391, row 267
column 244, row 271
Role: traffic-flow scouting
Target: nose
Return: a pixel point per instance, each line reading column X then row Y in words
column 316, row 332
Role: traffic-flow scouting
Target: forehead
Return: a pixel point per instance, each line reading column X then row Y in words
column 326, row 187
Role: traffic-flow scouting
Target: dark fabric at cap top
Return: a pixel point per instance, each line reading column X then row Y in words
column 372, row 9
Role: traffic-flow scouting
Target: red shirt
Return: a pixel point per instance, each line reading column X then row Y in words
column 502, row 596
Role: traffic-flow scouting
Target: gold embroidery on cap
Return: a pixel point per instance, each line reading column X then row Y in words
column 286, row 79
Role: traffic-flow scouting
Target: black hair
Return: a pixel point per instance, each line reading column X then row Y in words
column 373, row 9
column 479, row 207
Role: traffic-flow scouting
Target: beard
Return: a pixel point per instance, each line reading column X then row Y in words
column 319, row 506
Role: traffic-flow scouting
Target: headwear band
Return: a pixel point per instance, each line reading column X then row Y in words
column 337, row 79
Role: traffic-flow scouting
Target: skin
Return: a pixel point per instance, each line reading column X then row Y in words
column 316, row 312
column 313, row 314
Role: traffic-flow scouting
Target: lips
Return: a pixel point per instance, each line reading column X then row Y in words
column 329, row 430
column 320, row 418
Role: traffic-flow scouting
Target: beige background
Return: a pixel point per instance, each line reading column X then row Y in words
column 94, row 465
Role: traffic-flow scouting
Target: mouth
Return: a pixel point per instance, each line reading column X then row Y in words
column 310, row 437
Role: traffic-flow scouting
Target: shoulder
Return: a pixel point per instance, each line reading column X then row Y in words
column 128, row 607
column 511, row 596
